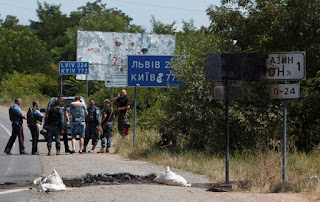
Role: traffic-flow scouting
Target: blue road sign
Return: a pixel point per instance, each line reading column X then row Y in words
column 151, row 71
column 73, row 67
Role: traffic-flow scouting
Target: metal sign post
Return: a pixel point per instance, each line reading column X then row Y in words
column 61, row 85
column 284, row 91
column 284, row 138
column 111, row 96
column 134, row 116
column 228, row 92
column 227, row 137
column 87, row 88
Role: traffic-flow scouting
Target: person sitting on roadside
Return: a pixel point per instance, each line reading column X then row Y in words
column 167, row 139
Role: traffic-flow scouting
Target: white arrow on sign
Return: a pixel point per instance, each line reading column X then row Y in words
column 284, row 91
column 286, row 66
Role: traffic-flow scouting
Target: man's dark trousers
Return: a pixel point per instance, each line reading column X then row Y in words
column 35, row 138
column 17, row 130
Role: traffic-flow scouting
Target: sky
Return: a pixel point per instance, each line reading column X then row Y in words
column 141, row 11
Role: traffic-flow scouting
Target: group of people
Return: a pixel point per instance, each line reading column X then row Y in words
column 16, row 117
column 85, row 122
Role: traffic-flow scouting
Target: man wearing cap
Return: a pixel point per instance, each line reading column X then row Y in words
column 107, row 126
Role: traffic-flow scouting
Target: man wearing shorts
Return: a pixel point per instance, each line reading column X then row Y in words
column 78, row 111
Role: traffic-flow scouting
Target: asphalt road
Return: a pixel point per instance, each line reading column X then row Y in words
column 16, row 170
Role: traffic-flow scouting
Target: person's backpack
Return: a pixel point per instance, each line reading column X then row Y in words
column 30, row 118
column 12, row 114
column 54, row 116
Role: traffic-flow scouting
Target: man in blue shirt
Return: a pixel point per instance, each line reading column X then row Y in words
column 17, row 128
column 34, row 125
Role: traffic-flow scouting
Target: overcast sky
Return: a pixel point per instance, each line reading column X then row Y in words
column 141, row 11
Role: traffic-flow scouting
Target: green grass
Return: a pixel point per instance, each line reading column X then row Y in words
column 252, row 171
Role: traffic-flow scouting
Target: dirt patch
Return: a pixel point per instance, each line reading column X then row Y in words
column 108, row 179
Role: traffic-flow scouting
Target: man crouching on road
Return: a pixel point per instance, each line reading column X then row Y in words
column 78, row 111
column 54, row 122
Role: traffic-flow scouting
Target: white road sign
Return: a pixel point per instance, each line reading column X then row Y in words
column 286, row 66
column 284, row 91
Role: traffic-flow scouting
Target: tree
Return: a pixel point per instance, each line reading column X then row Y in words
column 11, row 22
column 159, row 27
column 23, row 52
column 51, row 26
column 275, row 26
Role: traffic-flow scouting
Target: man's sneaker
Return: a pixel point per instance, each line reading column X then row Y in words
column 35, row 153
column 7, row 152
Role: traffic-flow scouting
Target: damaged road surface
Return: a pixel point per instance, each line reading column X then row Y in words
column 108, row 179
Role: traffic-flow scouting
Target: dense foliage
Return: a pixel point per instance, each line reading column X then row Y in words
column 29, row 59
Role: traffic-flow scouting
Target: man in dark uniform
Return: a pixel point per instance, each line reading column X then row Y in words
column 92, row 125
column 17, row 128
column 123, row 102
column 34, row 125
column 66, row 124
column 54, row 122
column 107, row 126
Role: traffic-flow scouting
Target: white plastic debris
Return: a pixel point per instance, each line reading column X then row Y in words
column 170, row 178
column 52, row 183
